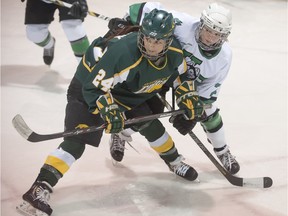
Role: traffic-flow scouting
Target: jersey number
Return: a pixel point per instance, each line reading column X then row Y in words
column 105, row 84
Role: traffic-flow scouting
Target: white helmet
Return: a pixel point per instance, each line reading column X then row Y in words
column 217, row 18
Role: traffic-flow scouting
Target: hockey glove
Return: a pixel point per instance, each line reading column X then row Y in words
column 115, row 23
column 182, row 125
column 187, row 98
column 79, row 9
column 118, row 27
column 110, row 113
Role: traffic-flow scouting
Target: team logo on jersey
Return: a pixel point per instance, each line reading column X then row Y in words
column 192, row 62
column 152, row 86
column 81, row 126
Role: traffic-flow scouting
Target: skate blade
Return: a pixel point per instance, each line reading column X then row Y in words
column 114, row 162
column 28, row 210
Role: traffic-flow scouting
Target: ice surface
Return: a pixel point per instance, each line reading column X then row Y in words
column 253, row 104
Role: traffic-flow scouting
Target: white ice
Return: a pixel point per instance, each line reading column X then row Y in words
column 253, row 104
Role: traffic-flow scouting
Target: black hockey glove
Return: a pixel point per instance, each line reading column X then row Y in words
column 118, row 23
column 119, row 26
column 182, row 125
column 79, row 9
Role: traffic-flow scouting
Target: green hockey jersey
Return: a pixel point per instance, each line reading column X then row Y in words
column 119, row 67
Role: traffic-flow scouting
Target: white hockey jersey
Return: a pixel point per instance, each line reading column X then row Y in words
column 209, row 72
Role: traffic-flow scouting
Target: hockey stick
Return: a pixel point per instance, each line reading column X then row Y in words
column 24, row 130
column 259, row 182
column 65, row 4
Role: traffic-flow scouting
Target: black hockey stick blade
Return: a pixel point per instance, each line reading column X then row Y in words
column 264, row 182
column 258, row 182
column 24, row 130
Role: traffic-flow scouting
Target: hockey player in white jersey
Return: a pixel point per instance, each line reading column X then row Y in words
column 208, row 55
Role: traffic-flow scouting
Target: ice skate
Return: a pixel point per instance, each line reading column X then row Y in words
column 117, row 147
column 182, row 169
column 35, row 200
column 48, row 54
column 228, row 160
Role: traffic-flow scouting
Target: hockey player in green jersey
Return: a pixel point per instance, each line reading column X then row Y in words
column 115, row 79
column 208, row 56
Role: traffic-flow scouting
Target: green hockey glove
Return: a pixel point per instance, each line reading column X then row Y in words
column 187, row 98
column 110, row 113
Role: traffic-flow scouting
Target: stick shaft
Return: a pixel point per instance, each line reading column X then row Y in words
column 65, row 4
column 24, row 130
